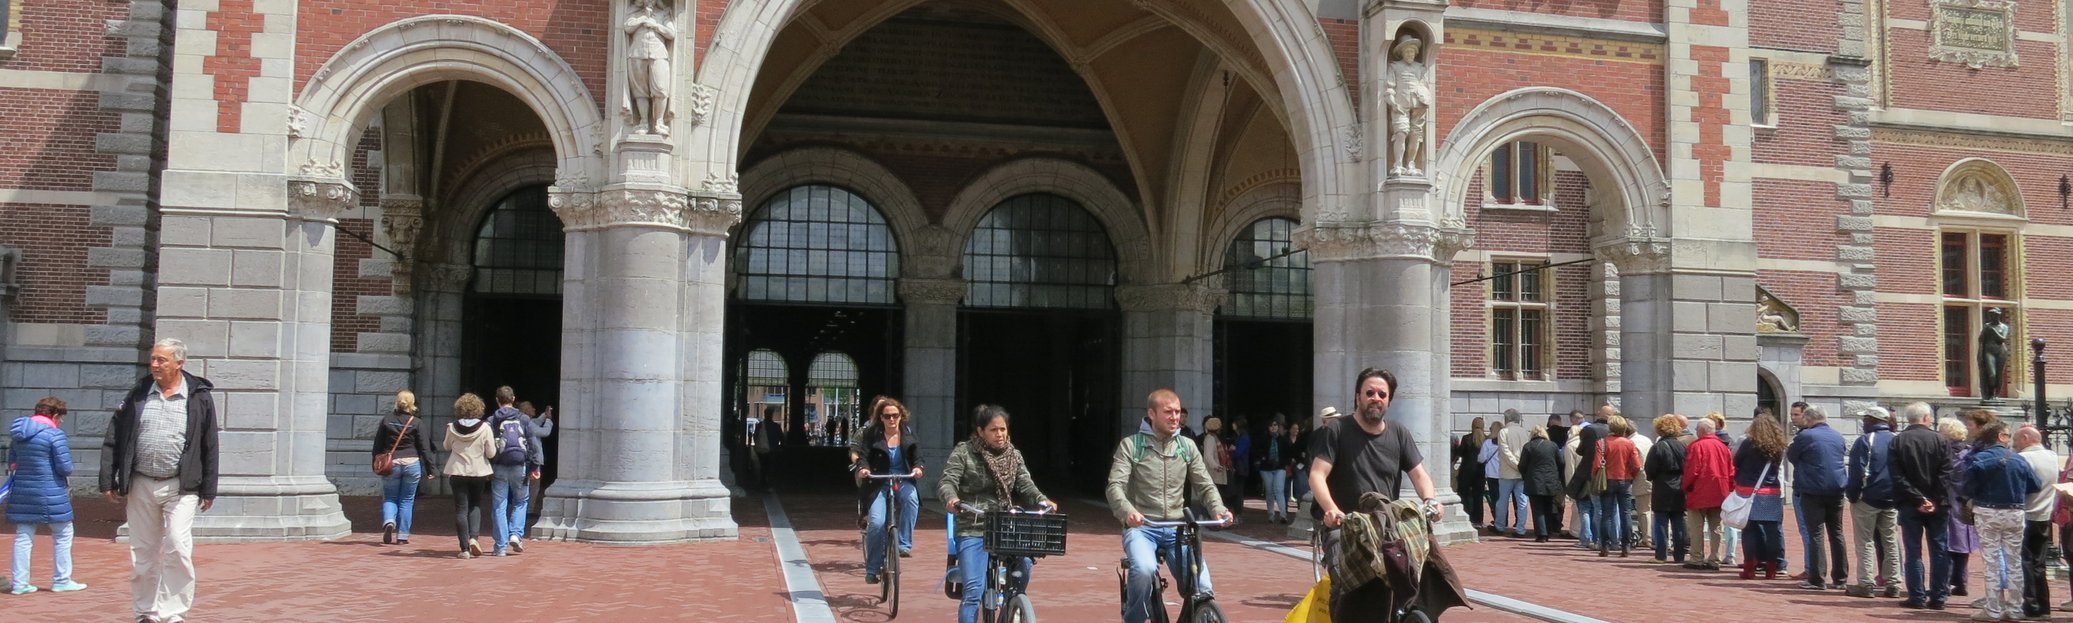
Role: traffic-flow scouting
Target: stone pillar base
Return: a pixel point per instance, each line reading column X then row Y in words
column 285, row 508
column 636, row 513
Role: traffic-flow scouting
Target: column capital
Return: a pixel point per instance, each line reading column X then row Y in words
column 1193, row 297
column 1635, row 254
column 321, row 198
column 707, row 211
column 914, row 291
column 448, row 277
column 1341, row 242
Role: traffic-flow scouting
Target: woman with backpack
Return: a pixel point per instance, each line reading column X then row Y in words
column 400, row 443
column 469, row 446
column 888, row 446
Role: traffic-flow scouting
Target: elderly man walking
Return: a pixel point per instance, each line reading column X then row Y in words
column 2037, row 521
column 1818, row 455
column 1872, row 515
column 159, row 457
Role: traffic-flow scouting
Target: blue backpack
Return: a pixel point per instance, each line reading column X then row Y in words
column 512, row 450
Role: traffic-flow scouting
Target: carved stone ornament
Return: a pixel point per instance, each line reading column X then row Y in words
column 1773, row 315
column 1409, row 94
column 700, row 102
column 1976, row 33
column 402, row 228
column 1330, row 242
column 448, row 277
column 298, row 122
column 1190, row 297
column 1979, row 187
column 932, row 291
column 1356, row 139
column 729, row 184
column 698, row 213
column 651, row 33
column 318, row 199
column 1636, row 254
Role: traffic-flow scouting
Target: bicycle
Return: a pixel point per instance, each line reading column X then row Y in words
column 1187, row 543
column 889, row 577
column 1015, row 538
column 1407, row 614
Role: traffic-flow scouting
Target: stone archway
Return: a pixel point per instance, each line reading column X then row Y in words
column 1135, row 255
column 1617, row 158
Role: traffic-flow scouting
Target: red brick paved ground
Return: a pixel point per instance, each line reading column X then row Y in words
column 357, row 579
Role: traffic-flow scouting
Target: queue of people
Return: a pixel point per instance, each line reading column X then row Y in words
column 1926, row 504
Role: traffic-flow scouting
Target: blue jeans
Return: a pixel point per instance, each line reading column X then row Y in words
column 1914, row 526
column 399, row 496
column 874, row 521
column 1276, row 482
column 508, row 490
column 1586, row 516
column 1799, row 514
column 1670, row 537
column 1142, row 546
column 1302, row 479
column 972, row 561
column 1511, row 503
column 1763, row 542
column 1615, row 508
column 25, row 546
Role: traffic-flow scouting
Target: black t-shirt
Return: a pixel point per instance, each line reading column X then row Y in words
column 1362, row 462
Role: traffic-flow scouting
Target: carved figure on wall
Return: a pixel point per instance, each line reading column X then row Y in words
column 652, row 30
column 1975, row 193
column 1410, row 101
column 1772, row 316
column 1993, row 354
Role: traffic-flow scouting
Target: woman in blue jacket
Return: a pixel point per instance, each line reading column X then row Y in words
column 41, row 460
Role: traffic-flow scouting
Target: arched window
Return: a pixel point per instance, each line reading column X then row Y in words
column 1040, row 250
column 518, row 249
column 1266, row 276
column 831, row 399
column 765, row 384
column 818, row 244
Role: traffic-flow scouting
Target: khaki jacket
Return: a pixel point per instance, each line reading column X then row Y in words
column 468, row 452
column 967, row 479
column 1149, row 475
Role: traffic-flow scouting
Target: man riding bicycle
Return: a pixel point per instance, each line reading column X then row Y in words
column 1351, row 456
column 1153, row 476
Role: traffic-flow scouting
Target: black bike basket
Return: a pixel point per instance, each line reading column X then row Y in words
column 1025, row 534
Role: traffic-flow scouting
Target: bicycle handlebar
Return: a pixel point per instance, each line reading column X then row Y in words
column 976, row 511
column 1177, row 523
column 892, row 477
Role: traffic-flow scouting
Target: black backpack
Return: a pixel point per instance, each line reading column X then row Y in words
column 512, row 451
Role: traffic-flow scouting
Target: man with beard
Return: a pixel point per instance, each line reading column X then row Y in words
column 1356, row 455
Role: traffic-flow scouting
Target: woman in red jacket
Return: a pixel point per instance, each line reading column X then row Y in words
column 1709, row 473
column 1621, row 462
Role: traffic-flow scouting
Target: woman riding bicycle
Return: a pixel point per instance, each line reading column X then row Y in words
column 987, row 473
column 887, row 446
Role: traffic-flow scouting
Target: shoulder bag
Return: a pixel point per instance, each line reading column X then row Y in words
column 1734, row 511
column 1598, row 484
column 386, row 462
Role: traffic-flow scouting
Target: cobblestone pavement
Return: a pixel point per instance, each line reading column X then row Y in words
column 358, row 579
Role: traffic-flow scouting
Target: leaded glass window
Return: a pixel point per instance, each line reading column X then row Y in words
column 1040, row 250
column 1264, row 278
column 518, row 250
column 818, row 244
column 832, row 399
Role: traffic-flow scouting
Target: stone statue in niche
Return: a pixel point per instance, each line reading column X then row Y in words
column 1772, row 316
column 652, row 30
column 1993, row 354
column 1410, row 101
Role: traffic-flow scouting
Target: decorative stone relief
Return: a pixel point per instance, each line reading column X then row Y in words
column 1978, row 186
column 1359, row 241
column 1189, row 297
column 931, row 252
column 1773, row 315
column 932, row 291
column 1976, row 33
column 699, row 213
column 448, row 277
column 321, row 199
column 719, row 184
column 700, row 102
column 298, row 122
column 651, row 32
column 1356, row 140
column 1405, row 87
column 1636, row 254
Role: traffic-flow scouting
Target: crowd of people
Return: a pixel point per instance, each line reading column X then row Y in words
column 1925, row 503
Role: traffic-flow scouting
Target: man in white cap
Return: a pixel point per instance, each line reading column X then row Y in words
column 1874, row 519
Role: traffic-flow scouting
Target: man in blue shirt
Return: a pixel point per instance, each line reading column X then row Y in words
column 1817, row 456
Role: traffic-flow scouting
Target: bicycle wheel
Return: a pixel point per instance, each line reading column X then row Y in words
column 1019, row 610
column 1413, row 615
column 1207, row 612
column 890, row 591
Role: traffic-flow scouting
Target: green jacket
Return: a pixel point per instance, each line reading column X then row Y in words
column 1150, row 476
column 967, row 479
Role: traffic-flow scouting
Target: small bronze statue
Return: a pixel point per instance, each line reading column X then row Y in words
column 1993, row 355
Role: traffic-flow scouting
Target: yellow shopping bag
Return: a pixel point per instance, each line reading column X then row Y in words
column 1315, row 607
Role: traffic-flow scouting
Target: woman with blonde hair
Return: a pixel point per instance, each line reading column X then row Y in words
column 1757, row 464
column 1619, row 461
column 468, row 448
column 399, row 441
column 1963, row 538
column 887, row 446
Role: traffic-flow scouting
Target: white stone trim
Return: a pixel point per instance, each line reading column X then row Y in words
column 1608, row 150
column 387, row 62
column 57, row 197
column 1564, row 25
column 1135, row 255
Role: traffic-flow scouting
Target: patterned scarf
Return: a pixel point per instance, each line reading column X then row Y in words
column 1003, row 463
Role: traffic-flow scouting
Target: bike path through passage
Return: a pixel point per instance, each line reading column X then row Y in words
column 1252, row 585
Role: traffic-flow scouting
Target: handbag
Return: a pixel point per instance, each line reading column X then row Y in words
column 385, row 463
column 1734, row 511
column 1598, row 484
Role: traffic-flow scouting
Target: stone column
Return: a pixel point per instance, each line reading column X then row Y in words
column 931, row 367
column 1382, row 302
column 641, row 354
column 1687, row 340
column 1169, row 340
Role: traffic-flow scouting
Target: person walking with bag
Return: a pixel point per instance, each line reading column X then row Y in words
column 469, row 446
column 513, row 469
column 1758, row 500
column 41, row 459
column 400, row 451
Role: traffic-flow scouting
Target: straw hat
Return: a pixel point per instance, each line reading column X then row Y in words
column 1327, row 413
